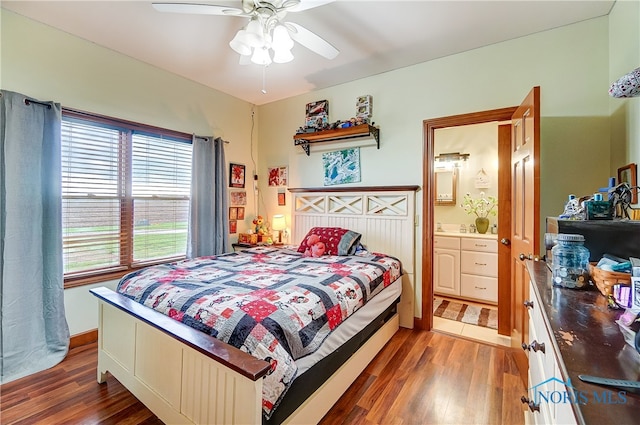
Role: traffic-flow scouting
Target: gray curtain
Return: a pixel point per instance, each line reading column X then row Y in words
column 208, row 211
column 34, row 334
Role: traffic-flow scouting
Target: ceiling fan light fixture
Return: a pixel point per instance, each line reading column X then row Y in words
column 254, row 34
column 261, row 56
column 281, row 38
column 282, row 55
column 239, row 43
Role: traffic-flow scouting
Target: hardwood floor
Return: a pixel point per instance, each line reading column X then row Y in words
column 418, row 378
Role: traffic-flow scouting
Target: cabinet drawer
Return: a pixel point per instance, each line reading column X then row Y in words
column 479, row 287
column 476, row 244
column 479, row 263
column 446, row 242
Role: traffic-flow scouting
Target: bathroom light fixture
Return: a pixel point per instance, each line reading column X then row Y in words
column 452, row 157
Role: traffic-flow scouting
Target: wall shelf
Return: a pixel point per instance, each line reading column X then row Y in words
column 359, row 131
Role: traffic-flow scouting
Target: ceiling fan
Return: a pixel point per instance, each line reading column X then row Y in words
column 266, row 30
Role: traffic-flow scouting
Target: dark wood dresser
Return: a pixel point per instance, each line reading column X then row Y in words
column 583, row 339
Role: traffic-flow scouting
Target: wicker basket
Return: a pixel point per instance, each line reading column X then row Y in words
column 605, row 280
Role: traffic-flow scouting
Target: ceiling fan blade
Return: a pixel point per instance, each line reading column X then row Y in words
column 198, row 9
column 311, row 41
column 303, row 4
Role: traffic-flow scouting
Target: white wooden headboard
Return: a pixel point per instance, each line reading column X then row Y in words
column 385, row 216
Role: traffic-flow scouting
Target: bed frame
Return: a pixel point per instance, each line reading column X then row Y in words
column 185, row 376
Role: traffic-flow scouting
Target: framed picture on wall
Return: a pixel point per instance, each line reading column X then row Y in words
column 233, row 213
column 629, row 174
column 236, row 175
column 233, row 226
column 282, row 200
column 240, row 213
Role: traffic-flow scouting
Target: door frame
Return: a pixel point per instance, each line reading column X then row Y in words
column 429, row 128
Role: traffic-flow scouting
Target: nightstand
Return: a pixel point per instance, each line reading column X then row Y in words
column 239, row 246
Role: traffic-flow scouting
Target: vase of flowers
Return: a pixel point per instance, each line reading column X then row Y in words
column 482, row 208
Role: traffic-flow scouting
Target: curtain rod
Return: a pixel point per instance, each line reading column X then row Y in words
column 207, row 138
column 30, row 101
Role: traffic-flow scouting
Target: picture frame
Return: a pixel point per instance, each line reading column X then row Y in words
column 238, row 197
column 233, row 213
column 233, row 226
column 282, row 199
column 236, row 175
column 240, row 213
column 278, row 176
column 629, row 174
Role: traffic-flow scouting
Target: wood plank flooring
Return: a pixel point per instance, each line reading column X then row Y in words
column 418, row 378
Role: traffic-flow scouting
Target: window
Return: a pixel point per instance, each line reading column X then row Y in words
column 125, row 193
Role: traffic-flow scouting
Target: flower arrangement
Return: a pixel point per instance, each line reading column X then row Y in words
column 481, row 207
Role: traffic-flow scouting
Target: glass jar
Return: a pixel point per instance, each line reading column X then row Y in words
column 570, row 262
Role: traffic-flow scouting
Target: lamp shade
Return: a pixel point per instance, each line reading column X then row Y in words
column 282, row 56
column 239, row 43
column 281, row 39
column 278, row 222
column 261, row 56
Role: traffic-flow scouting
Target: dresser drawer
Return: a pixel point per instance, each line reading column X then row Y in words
column 479, row 263
column 477, row 244
column 446, row 242
column 479, row 287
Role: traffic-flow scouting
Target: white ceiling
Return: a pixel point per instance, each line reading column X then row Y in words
column 372, row 36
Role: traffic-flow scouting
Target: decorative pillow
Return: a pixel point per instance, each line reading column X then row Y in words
column 329, row 241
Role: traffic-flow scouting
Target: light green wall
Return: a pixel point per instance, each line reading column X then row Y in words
column 624, row 56
column 574, row 66
column 570, row 64
column 48, row 64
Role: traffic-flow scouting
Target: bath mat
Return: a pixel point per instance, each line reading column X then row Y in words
column 480, row 316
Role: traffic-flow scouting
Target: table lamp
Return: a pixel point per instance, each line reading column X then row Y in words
column 278, row 223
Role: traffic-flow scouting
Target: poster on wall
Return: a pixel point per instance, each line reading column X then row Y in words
column 236, row 175
column 238, row 197
column 341, row 167
column 278, row 176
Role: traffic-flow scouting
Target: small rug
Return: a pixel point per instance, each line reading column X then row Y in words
column 465, row 313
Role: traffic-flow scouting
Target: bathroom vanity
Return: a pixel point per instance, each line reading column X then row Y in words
column 466, row 266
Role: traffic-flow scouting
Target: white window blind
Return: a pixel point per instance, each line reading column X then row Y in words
column 160, row 190
column 125, row 196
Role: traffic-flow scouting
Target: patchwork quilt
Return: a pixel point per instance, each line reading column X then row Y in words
column 274, row 304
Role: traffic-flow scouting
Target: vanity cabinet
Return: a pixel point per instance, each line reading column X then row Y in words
column 446, row 266
column 466, row 267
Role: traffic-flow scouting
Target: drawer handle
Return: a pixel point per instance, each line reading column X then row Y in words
column 535, row 346
column 480, row 264
column 482, row 246
column 532, row 406
column 528, row 304
column 479, row 287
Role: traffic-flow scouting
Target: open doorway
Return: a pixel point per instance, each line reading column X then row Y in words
column 465, row 245
column 429, row 206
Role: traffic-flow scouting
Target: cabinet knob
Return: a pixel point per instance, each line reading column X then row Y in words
column 535, row 346
column 532, row 406
column 528, row 304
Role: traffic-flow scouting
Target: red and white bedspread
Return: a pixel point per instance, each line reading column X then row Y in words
column 275, row 304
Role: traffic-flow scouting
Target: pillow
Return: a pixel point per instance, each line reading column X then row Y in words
column 329, row 241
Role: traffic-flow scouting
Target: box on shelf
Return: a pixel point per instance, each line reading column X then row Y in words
column 251, row 238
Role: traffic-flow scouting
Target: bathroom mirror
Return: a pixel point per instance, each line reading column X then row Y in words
column 445, row 183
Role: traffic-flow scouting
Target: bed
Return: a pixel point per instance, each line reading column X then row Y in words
column 184, row 375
